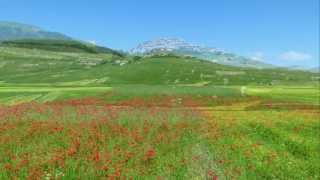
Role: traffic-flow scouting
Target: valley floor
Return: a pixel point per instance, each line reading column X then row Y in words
column 159, row 132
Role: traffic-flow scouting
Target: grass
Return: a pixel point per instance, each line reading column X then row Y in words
column 70, row 114
column 97, row 142
column 59, row 46
column 147, row 132
column 306, row 94
column 42, row 66
column 267, row 144
column 16, row 95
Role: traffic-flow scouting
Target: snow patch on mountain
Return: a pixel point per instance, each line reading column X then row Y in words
column 181, row 47
column 170, row 44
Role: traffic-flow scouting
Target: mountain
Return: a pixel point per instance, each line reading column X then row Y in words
column 14, row 31
column 181, row 47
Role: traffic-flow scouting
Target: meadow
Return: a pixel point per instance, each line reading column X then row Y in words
column 70, row 110
column 159, row 132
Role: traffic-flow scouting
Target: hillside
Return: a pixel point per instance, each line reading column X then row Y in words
column 14, row 31
column 43, row 65
column 58, row 46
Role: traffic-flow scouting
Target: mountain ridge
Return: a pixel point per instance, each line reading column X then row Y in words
column 180, row 46
column 15, row 31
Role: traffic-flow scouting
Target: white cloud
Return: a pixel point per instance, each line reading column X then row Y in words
column 294, row 56
column 257, row 56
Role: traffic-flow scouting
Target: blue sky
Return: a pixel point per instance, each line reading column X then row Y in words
column 283, row 32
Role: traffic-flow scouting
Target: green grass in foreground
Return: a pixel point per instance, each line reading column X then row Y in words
column 226, row 140
column 266, row 144
column 305, row 94
column 45, row 93
column 16, row 95
column 104, row 143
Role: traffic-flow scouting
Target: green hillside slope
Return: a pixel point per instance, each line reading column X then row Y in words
column 58, row 46
column 68, row 65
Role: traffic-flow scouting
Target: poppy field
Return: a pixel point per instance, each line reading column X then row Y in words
column 164, row 133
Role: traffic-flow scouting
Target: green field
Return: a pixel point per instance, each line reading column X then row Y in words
column 168, row 132
column 16, row 95
column 72, row 67
column 73, row 111
column 41, row 93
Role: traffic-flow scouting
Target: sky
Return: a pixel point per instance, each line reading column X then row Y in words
column 282, row 32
